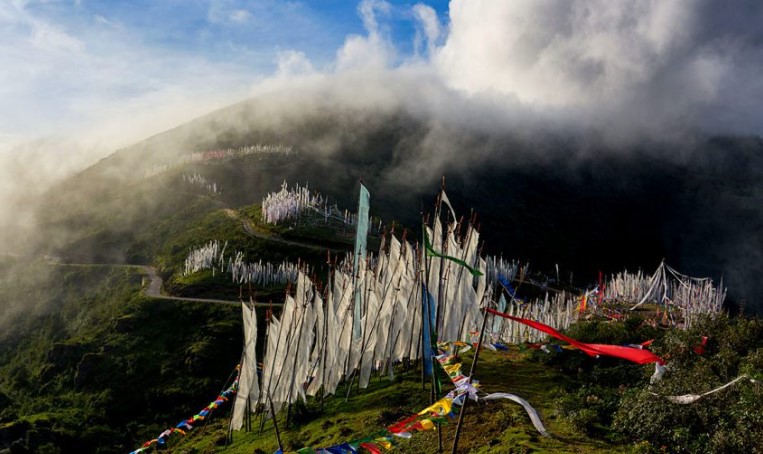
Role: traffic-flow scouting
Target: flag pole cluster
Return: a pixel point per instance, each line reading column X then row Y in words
column 203, row 183
column 378, row 311
column 217, row 155
column 212, row 256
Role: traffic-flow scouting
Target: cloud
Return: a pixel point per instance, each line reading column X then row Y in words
column 292, row 63
column 240, row 16
column 72, row 92
column 654, row 68
column 106, row 22
column 649, row 66
column 525, row 82
column 429, row 29
column 227, row 12
column 627, row 71
column 97, row 80
column 373, row 52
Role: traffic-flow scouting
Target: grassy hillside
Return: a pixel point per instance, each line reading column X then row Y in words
column 100, row 368
column 578, row 203
column 588, row 405
column 88, row 363
column 95, row 364
column 497, row 427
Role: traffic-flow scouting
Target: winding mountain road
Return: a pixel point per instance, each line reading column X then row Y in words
column 154, row 290
column 154, row 287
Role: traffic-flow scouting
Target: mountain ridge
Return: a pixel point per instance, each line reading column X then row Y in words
column 586, row 207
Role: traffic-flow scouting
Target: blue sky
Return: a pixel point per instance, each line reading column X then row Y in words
column 70, row 64
column 116, row 71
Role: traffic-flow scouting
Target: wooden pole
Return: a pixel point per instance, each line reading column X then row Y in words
column 349, row 384
column 275, row 423
column 325, row 335
column 262, row 388
column 435, row 396
column 425, row 315
column 471, row 376
column 247, row 417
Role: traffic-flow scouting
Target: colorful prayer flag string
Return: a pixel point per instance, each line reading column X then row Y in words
column 429, row 417
column 186, row 425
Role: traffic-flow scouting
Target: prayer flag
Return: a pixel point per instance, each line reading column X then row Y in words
column 428, row 312
column 631, row 354
column 361, row 237
column 432, row 253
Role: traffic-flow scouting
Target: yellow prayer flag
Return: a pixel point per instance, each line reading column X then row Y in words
column 441, row 407
column 452, row 368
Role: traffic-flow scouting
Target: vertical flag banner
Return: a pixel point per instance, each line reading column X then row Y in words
column 248, row 386
column 361, row 237
column 428, row 311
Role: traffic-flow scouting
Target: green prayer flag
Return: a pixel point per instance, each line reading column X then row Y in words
column 432, row 253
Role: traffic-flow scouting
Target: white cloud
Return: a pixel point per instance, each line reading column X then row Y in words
column 373, row 52
column 644, row 66
column 368, row 10
column 108, row 23
column 100, row 84
column 293, row 63
column 626, row 67
column 430, row 25
column 240, row 16
column 561, row 53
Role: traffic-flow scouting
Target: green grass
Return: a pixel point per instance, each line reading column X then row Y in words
column 495, row 427
column 170, row 358
column 88, row 364
column 93, row 365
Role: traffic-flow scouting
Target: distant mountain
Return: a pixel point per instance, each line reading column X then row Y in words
column 560, row 199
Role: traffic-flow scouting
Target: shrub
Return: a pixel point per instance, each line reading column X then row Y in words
column 590, row 408
column 728, row 421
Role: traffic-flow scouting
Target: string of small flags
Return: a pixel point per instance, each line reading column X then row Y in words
column 188, row 424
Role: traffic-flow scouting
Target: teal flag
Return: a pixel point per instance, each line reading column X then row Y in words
column 432, row 253
column 361, row 238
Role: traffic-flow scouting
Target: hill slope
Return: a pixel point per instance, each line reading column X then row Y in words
column 561, row 199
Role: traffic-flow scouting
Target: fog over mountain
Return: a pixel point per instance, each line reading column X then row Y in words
column 598, row 134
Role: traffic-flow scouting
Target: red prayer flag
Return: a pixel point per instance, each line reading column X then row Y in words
column 402, row 425
column 372, row 448
column 635, row 355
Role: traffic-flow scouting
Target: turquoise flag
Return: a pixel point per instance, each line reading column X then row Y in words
column 361, row 237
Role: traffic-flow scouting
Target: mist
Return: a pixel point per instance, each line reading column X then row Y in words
column 563, row 95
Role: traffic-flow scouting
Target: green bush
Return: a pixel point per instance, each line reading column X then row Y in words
column 590, row 408
column 728, row 421
column 612, row 394
column 603, row 369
